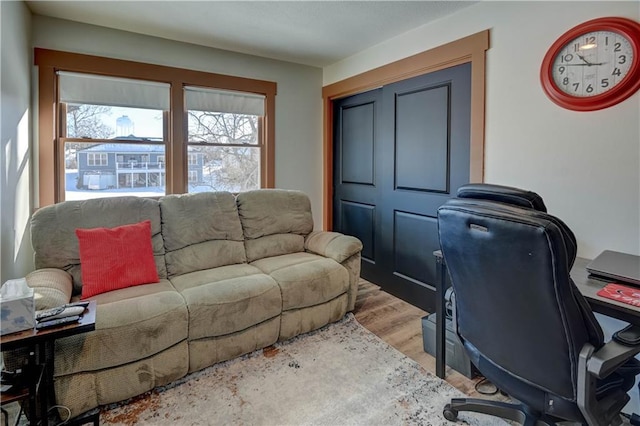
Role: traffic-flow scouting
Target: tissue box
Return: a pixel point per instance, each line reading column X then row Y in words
column 17, row 307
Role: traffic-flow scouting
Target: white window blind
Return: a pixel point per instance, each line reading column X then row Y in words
column 92, row 89
column 200, row 99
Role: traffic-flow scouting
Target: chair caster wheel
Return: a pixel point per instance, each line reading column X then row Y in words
column 449, row 413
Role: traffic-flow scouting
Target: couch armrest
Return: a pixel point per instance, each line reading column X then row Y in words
column 52, row 287
column 334, row 245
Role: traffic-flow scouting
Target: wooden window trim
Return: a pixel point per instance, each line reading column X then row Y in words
column 469, row 49
column 50, row 165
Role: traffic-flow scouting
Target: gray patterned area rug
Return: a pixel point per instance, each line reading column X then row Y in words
column 341, row 374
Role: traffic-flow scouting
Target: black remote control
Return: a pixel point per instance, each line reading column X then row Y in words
column 59, row 321
column 81, row 303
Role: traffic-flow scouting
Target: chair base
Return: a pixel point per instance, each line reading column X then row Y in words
column 516, row 412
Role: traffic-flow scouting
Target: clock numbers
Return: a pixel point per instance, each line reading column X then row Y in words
column 592, row 63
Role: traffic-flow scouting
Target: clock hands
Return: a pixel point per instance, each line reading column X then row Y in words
column 583, row 65
column 583, row 59
column 586, row 63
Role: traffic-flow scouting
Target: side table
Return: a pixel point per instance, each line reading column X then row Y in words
column 39, row 344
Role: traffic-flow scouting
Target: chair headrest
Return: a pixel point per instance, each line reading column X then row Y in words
column 568, row 235
column 503, row 194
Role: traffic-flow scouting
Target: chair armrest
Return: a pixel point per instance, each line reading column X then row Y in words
column 609, row 357
column 594, row 364
column 334, row 245
column 52, row 287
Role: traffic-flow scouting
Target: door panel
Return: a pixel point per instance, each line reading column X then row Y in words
column 357, row 143
column 411, row 231
column 358, row 219
column 355, row 179
column 422, row 140
column 399, row 153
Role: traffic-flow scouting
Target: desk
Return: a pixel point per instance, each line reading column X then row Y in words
column 40, row 343
column 587, row 286
column 590, row 286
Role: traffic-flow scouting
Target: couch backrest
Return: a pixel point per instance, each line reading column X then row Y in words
column 53, row 227
column 274, row 221
column 201, row 231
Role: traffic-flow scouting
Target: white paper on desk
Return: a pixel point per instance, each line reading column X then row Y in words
column 17, row 306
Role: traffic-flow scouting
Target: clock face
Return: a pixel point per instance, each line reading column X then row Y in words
column 593, row 63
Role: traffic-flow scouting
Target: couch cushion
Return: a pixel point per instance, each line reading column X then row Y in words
column 53, row 227
column 114, row 258
column 305, row 279
column 303, row 320
column 131, row 323
column 274, row 221
column 228, row 299
column 201, row 231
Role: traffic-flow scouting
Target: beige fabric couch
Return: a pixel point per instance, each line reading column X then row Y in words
column 236, row 274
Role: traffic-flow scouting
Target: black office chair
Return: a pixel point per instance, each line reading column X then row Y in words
column 503, row 194
column 522, row 321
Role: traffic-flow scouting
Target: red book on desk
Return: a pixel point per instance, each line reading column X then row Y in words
column 621, row 293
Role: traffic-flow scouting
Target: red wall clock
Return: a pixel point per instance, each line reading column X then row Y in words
column 594, row 65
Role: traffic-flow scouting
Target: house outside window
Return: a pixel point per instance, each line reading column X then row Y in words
column 162, row 151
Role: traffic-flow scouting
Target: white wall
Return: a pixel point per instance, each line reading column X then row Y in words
column 298, row 102
column 15, row 137
column 585, row 165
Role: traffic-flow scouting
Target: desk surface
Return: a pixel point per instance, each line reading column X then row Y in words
column 590, row 286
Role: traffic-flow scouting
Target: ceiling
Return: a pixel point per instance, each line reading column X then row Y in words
column 317, row 33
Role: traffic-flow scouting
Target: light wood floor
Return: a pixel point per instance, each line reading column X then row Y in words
column 399, row 324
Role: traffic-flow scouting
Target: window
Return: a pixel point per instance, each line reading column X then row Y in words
column 224, row 128
column 106, row 116
column 97, row 159
column 115, row 130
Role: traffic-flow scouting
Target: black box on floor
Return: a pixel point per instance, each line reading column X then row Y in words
column 455, row 354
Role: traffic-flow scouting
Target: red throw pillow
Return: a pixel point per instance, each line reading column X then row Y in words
column 114, row 258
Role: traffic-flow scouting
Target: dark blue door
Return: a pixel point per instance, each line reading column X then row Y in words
column 400, row 152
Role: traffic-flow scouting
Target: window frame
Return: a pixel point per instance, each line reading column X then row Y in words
column 101, row 155
column 51, row 115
